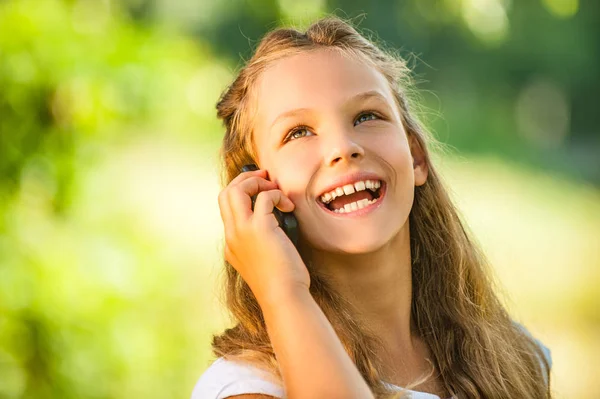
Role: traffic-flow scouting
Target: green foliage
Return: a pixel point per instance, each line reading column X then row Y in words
column 81, row 315
column 109, row 229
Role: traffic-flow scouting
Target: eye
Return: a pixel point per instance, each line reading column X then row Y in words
column 296, row 133
column 365, row 116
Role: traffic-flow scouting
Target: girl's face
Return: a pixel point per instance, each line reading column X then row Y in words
column 325, row 120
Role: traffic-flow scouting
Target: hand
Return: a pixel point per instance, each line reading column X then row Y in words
column 255, row 245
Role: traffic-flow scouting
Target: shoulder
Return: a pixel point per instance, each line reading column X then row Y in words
column 225, row 378
column 545, row 350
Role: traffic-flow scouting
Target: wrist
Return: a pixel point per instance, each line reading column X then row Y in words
column 278, row 295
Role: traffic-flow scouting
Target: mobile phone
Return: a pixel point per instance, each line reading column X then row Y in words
column 287, row 220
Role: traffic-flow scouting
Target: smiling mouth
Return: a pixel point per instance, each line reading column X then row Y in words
column 356, row 201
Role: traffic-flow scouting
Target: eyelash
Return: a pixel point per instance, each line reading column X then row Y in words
column 300, row 128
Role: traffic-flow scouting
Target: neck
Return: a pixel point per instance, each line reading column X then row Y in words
column 378, row 285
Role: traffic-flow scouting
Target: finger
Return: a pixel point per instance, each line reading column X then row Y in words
column 239, row 199
column 225, row 195
column 225, row 211
column 255, row 184
column 267, row 200
column 246, row 175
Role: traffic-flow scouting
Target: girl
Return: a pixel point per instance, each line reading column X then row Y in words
column 385, row 293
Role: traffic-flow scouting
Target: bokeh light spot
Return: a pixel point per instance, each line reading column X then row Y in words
column 486, row 19
column 562, row 8
column 543, row 114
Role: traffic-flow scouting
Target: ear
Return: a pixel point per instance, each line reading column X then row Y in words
column 420, row 167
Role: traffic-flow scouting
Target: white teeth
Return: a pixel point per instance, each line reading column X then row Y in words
column 373, row 184
column 362, row 203
column 359, row 185
column 355, row 206
column 350, row 189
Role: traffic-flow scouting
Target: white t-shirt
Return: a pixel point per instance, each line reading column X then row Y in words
column 225, row 378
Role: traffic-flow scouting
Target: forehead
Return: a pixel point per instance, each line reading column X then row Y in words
column 320, row 79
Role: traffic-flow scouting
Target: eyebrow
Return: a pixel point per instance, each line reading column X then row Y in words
column 361, row 97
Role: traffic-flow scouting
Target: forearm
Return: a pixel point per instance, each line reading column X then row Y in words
column 311, row 357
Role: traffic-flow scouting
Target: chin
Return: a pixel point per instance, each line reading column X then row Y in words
column 354, row 244
column 354, row 236
column 359, row 247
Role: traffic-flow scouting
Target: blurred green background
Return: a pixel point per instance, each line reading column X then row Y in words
column 110, row 234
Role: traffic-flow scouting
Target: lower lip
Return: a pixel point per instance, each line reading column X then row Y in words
column 359, row 212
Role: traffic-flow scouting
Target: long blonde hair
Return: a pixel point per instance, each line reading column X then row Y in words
column 476, row 348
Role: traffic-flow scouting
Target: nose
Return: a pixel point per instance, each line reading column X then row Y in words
column 342, row 148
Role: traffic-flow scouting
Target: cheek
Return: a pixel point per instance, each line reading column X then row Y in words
column 293, row 177
column 397, row 156
column 394, row 150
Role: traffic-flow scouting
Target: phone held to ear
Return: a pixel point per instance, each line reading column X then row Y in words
column 287, row 220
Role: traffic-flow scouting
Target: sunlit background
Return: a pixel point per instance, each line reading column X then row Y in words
column 110, row 235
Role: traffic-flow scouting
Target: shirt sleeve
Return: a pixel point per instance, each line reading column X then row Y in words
column 225, row 378
column 545, row 350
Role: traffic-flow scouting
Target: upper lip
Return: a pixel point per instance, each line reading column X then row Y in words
column 350, row 179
